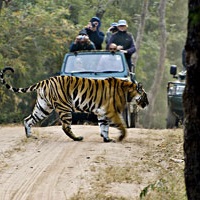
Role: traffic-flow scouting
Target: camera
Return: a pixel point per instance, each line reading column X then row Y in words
column 94, row 24
column 114, row 29
column 81, row 37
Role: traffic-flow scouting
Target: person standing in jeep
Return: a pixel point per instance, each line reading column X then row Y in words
column 113, row 29
column 124, row 41
column 94, row 33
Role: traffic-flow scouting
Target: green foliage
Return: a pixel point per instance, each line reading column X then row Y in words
column 176, row 22
column 35, row 35
column 34, row 39
column 158, row 185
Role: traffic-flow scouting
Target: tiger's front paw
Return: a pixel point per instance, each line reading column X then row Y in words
column 80, row 138
column 108, row 140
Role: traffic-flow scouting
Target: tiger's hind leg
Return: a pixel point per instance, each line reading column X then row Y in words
column 40, row 111
column 66, row 118
column 104, row 128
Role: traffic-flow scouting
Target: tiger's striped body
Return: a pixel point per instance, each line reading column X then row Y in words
column 66, row 94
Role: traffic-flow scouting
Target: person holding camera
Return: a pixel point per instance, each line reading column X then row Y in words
column 94, row 33
column 82, row 42
column 111, row 30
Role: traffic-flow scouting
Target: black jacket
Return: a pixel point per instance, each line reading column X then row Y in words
column 124, row 39
column 97, row 37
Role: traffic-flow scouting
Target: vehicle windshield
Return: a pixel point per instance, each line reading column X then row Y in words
column 176, row 90
column 179, row 89
column 83, row 63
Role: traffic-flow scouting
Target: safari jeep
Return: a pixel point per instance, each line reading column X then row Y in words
column 99, row 65
column 174, row 98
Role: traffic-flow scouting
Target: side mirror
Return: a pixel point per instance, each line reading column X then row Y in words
column 173, row 70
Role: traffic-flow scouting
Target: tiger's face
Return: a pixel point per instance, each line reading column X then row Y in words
column 142, row 99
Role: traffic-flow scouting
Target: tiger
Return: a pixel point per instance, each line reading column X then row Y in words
column 66, row 94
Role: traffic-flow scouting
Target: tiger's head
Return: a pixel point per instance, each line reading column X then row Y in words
column 141, row 98
column 133, row 90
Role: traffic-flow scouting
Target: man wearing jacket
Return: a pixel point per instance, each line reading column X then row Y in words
column 82, row 42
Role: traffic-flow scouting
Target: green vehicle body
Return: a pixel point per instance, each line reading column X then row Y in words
column 175, row 90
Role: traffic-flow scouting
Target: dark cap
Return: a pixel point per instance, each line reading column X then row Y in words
column 96, row 19
column 83, row 32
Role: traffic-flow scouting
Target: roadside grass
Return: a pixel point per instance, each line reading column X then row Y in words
column 158, row 174
column 170, row 166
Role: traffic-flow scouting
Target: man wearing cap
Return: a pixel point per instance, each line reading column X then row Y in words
column 82, row 42
column 112, row 29
column 124, row 41
column 94, row 33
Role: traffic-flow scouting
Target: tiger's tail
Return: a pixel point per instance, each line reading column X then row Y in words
column 10, row 87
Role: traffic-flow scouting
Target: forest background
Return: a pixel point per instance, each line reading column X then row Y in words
column 35, row 35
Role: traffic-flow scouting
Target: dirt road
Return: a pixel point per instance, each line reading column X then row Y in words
column 53, row 167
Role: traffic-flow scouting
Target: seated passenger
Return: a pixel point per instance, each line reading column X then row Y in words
column 82, row 42
column 110, row 62
column 113, row 47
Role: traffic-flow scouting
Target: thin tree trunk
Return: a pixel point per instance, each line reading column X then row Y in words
column 140, row 30
column 191, row 103
column 152, row 95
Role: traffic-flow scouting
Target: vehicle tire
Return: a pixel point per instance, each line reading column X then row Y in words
column 172, row 120
column 51, row 120
column 129, row 118
column 133, row 119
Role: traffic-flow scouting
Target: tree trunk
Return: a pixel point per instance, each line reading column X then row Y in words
column 1, row 4
column 140, row 30
column 102, row 6
column 152, row 95
column 191, row 103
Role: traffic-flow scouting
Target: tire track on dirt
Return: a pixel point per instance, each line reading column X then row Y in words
column 20, row 181
column 66, row 167
column 55, row 167
column 43, row 168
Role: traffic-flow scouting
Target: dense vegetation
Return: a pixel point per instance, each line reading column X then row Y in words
column 35, row 35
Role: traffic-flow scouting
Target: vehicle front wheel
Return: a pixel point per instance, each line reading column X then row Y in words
column 129, row 117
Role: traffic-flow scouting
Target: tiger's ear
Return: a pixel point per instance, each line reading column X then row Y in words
column 130, row 86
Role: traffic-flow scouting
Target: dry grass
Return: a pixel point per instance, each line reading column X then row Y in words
column 158, row 172
column 167, row 160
